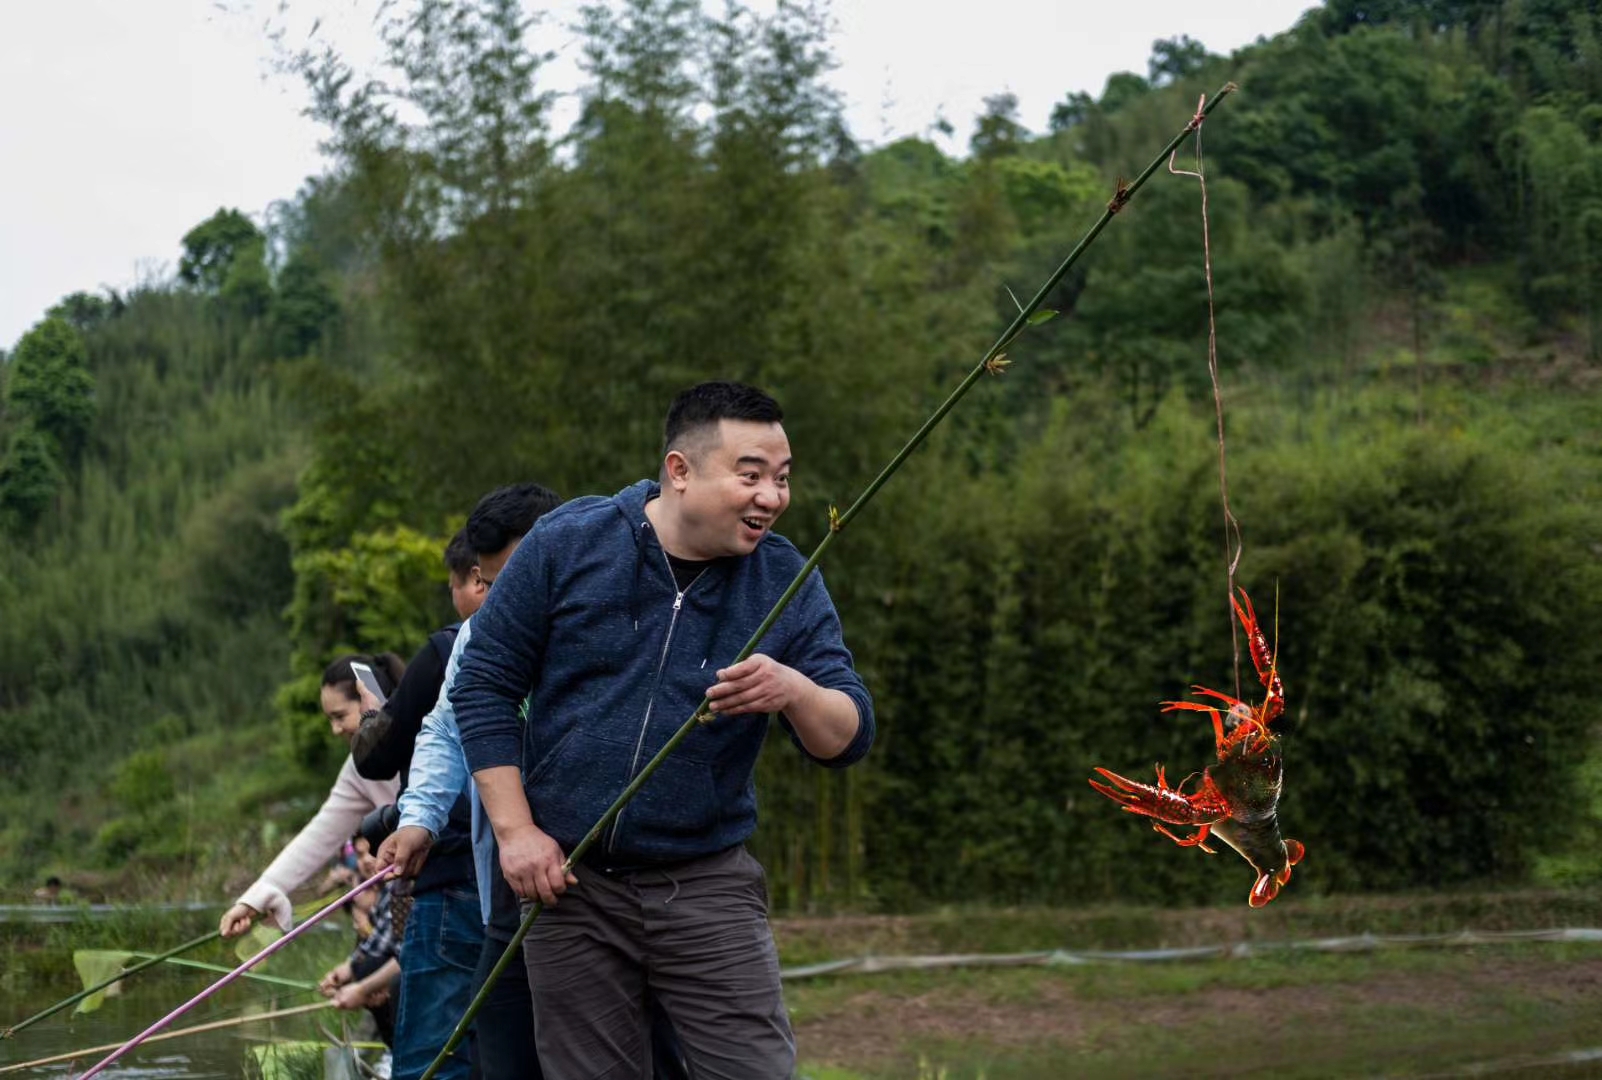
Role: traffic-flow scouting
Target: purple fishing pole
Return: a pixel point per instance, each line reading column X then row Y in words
column 237, row 972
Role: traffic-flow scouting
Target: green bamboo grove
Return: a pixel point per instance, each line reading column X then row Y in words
column 251, row 469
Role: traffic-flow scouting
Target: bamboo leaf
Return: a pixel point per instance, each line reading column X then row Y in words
column 1041, row 316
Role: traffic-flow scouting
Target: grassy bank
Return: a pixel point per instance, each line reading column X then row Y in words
column 1392, row 1012
column 985, row 929
column 1389, row 1014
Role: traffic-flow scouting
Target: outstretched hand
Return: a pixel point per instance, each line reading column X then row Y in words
column 406, row 849
column 237, row 919
column 360, row 996
column 336, row 978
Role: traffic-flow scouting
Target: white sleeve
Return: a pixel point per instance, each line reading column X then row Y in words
column 350, row 800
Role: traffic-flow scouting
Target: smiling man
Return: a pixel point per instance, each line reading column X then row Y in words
column 613, row 618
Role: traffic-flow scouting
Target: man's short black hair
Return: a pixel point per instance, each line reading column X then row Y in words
column 702, row 406
column 460, row 558
column 505, row 514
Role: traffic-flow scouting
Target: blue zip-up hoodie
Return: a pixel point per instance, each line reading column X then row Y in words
column 586, row 622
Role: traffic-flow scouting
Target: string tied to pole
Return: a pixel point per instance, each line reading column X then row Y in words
column 1232, row 538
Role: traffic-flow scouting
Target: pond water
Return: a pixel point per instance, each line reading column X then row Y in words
column 231, row 1051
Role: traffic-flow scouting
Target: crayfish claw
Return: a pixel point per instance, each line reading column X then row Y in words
column 1126, row 792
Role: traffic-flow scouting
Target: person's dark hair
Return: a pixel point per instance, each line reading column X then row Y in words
column 702, row 406
column 387, row 666
column 507, row 513
column 460, row 557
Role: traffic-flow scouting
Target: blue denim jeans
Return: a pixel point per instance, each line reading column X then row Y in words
column 503, row 1032
column 444, row 936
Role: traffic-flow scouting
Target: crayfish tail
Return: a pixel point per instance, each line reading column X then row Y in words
column 1266, row 889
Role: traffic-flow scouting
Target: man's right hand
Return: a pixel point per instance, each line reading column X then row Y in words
column 406, row 849
column 237, row 919
column 532, row 863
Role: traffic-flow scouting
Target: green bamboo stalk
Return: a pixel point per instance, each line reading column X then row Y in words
column 75, row 998
column 991, row 363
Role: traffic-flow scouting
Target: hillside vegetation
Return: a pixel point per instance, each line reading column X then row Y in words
column 213, row 485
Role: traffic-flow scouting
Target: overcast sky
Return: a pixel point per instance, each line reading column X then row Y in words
column 125, row 122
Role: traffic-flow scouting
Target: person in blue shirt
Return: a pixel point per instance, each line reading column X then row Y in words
column 444, row 935
column 612, row 619
column 503, row 1030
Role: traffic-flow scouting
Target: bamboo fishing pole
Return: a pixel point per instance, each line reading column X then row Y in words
column 992, row 363
column 236, row 973
column 215, row 1025
column 99, row 986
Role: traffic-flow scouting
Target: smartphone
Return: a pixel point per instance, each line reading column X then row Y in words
column 367, row 678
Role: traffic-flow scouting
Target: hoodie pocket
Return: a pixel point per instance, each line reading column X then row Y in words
column 581, row 776
column 550, row 759
column 676, row 812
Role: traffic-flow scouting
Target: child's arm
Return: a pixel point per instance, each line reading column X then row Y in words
column 338, row 977
column 371, row 991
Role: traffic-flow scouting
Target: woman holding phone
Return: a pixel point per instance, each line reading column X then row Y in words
column 349, row 800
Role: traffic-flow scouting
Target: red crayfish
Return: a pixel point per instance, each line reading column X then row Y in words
column 1239, row 795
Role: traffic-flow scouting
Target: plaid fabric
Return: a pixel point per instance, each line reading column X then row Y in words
column 385, row 940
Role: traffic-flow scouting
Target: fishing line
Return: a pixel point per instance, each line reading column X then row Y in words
column 1232, row 538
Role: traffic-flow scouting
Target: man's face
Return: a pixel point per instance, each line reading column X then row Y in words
column 467, row 593
column 732, row 488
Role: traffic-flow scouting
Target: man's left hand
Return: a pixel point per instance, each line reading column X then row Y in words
column 757, row 684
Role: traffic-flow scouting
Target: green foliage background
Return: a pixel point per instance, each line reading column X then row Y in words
column 212, row 486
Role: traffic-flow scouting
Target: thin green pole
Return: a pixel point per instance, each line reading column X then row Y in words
column 99, row 986
column 276, row 980
column 991, row 363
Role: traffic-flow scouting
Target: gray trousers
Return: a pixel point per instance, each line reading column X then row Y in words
column 697, row 936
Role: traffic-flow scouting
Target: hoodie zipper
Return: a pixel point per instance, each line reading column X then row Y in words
column 650, row 702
